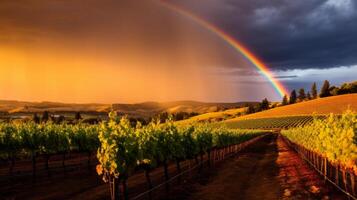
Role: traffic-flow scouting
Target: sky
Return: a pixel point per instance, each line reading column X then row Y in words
column 112, row 51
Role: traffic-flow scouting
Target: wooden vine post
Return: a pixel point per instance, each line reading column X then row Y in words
column 352, row 182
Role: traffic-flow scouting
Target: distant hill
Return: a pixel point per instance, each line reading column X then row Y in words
column 320, row 106
column 144, row 110
column 215, row 116
column 32, row 107
column 149, row 108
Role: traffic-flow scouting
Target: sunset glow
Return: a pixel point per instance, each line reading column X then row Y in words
column 99, row 60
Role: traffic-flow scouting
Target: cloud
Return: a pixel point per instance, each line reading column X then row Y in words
column 286, row 77
column 263, row 16
column 293, row 78
column 288, row 34
column 305, row 77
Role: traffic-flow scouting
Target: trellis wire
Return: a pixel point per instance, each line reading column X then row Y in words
column 302, row 155
column 244, row 144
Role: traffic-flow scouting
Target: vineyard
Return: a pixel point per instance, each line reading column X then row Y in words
column 271, row 123
column 29, row 140
column 121, row 149
column 322, row 136
column 329, row 145
column 320, row 106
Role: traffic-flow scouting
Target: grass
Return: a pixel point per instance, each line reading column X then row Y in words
column 215, row 116
column 143, row 110
column 294, row 115
column 280, row 117
column 30, row 107
column 320, row 106
column 270, row 123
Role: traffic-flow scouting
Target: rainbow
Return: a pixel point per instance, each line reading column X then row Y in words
column 238, row 46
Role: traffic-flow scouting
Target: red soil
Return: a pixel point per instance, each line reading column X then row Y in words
column 267, row 169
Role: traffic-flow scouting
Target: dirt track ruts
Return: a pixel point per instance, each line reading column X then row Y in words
column 269, row 170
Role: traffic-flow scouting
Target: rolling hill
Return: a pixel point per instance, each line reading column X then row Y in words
column 295, row 114
column 215, row 116
column 32, row 107
column 320, row 106
column 144, row 110
column 147, row 109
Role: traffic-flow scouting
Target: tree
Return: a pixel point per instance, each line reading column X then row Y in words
column 264, row 105
column 45, row 116
column 285, row 100
column 35, row 118
column 163, row 116
column 348, row 88
column 250, row 109
column 325, row 90
column 308, row 96
column 334, row 91
column 292, row 98
column 78, row 116
column 314, row 91
column 302, row 94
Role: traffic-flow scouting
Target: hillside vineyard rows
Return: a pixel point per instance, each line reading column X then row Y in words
column 122, row 149
column 273, row 122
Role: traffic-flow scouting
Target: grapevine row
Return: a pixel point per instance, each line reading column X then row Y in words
column 272, row 123
column 124, row 148
column 333, row 137
column 24, row 140
column 121, row 148
column 330, row 147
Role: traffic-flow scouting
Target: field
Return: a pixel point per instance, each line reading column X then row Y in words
column 22, row 109
column 271, row 123
column 31, row 107
column 295, row 115
column 160, row 157
column 215, row 116
column 147, row 109
column 140, row 148
column 320, row 106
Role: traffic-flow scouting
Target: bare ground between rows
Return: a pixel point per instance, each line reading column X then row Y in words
column 79, row 181
column 268, row 169
column 248, row 175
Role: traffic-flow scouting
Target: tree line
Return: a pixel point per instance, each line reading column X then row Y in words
column 325, row 91
column 57, row 119
column 301, row 95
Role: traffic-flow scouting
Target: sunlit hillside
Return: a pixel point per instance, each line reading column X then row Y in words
column 149, row 108
column 141, row 110
column 216, row 116
column 320, row 106
column 31, row 107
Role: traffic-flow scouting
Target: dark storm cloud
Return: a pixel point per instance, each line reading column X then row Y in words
column 289, row 34
column 285, row 77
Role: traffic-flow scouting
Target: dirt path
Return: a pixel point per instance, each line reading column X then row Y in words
column 266, row 170
column 251, row 175
column 299, row 180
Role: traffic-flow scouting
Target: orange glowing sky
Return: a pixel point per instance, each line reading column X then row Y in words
column 114, row 51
